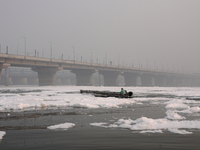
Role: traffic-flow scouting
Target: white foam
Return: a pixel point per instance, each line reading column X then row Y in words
column 57, row 97
column 2, row 133
column 154, row 125
column 173, row 115
column 151, row 131
column 98, row 124
column 144, row 123
column 194, row 109
column 104, row 125
column 63, row 126
column 179, row 131
column 189, row 110
column 174, row 105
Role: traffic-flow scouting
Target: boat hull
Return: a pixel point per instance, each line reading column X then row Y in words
column 107, row 94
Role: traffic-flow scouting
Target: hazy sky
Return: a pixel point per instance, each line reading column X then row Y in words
column 155, row 32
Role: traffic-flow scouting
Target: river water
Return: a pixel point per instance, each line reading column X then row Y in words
column 62, row 117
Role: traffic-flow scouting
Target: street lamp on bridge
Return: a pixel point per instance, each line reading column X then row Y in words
column 50, row 49
column 43, row 52
column 17, row 48
column 74, row 53
column 24, row 44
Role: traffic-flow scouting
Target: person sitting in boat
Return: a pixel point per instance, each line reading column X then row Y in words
column 123, row 91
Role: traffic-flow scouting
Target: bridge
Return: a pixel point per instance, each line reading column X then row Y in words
column 46, row 71
column 25, row 76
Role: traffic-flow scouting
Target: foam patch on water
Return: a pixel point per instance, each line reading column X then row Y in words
column 98, row 124
column 69, row 96
column 104, row 125
column 178, row 105
column 179, row 131
column 189, row 110
column 173, row 115
column 145, row 125
column 58, row 97
column 2, row 133
column 177, row 102
column 151, row 131
column 63, row 126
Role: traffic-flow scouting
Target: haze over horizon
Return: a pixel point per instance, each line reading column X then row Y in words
column 150, row 33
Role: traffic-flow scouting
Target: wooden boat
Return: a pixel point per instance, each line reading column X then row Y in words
column 107, row 94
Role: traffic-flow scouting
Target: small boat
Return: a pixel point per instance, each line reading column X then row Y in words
column 107, row 94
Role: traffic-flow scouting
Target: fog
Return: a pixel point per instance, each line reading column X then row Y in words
column 156, row 34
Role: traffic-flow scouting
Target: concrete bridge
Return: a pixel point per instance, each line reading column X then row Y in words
column 25, row 76
column 46, row 71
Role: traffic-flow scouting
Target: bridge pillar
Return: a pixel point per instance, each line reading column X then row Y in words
column 110, row 77
column 170, row 81
column 9, row 80
column 58, row 81
column 83, row 76
column 179, row 81
column 2, row 66
column 32, row 80
column 189, row 81
column 65, row 81
column 195, row 81
column 185, row 81
column 7, row 76
column 160, row 80
column 19, row 80
column 130, row 78
column 46, row 75
column 147, row 79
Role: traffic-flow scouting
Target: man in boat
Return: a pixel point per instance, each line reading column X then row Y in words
column 123, row 91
